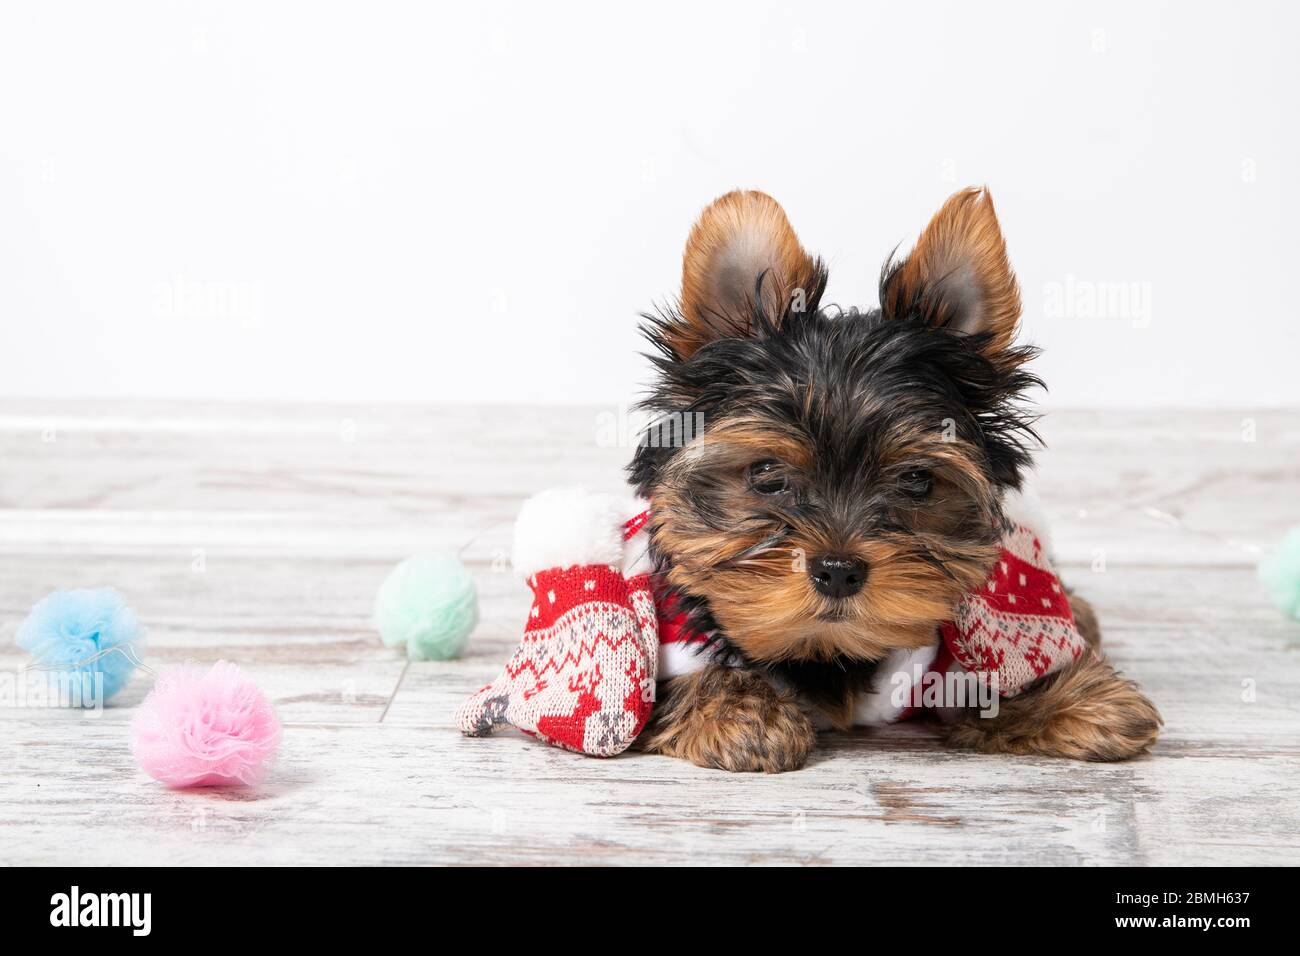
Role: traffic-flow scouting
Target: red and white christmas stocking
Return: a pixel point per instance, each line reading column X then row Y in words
column 583, row 676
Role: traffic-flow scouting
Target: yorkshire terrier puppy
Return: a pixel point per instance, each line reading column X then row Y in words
column 847, row 489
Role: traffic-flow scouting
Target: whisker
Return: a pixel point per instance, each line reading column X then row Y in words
column 755, row 550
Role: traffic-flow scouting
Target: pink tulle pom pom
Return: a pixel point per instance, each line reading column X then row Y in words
column 198, row 729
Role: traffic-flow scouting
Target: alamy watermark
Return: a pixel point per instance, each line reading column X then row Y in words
column 37, row 689
column 74, row 908
column 918, row 688
column 631, row 428
column 208, row 300
column 1076, row 298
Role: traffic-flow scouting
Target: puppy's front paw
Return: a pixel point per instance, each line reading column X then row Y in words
column 731, row 719
column 1087, row 712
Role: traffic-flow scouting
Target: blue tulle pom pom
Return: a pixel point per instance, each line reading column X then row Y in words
column 88, row 638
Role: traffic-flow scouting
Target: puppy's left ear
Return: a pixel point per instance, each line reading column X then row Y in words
column 958, row 276
column 742, row 258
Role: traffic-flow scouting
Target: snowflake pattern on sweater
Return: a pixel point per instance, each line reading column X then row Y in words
column 598, row 637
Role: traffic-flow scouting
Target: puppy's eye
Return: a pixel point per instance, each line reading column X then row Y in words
column 917, row 483
column 765, row 477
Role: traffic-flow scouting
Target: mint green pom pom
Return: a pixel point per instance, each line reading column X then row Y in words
column 429, row 605
column 1280, row 573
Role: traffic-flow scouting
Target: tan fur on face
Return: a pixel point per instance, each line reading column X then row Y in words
column 769, row 609
column 730, row 719
column 751, row 566
column 958, row 274
column 1085, row 712
column 738, row 238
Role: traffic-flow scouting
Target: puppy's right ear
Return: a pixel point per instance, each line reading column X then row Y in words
column 742, row 238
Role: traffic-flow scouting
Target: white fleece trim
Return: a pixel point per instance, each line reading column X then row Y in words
column 681, row 657
column 563, row 527
column 876, row 706
column 1025, row 508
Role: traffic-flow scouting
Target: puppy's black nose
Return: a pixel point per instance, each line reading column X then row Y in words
column 837, row 576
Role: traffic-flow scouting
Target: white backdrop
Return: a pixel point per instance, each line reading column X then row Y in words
column 424, row 202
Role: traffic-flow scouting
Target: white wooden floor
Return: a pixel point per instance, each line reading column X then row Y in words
column 260, row 533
